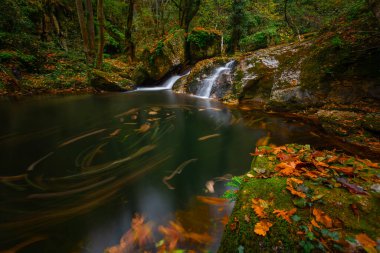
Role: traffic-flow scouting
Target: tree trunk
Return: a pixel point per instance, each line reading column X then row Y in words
column 90, row 28
column 83, row 29
column 374, row 6
column 99, row 59
column 129, row 45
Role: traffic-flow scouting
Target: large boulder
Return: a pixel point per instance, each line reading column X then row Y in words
column 204, row 43
column 104, row 81
column 167, row 55
column 337, row 67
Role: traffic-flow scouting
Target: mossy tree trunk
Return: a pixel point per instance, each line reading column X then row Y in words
column 99, row 59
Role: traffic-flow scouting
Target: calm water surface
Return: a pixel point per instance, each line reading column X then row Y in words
column 75, row 170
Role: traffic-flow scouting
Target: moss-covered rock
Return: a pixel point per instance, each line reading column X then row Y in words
column 314, row 72
column 104, row 81
column 204, row 43
column 312, row 200
column 168, row 54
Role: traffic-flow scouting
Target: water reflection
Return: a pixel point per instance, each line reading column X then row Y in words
column 87, row 164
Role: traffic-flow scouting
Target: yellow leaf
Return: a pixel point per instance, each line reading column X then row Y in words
column 262, row 227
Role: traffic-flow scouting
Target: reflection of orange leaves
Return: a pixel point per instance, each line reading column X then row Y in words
column 285, row 214
column 322, row 217
column 175, row 233
column 199, row 238
column 258, row 206
column 140, row 234
column 263, row 141
column 172, row 234
column 262, row 227
column 367, row 243
column 290, row 187
column 212, row 200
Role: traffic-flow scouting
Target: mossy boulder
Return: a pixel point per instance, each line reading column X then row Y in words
column 341, row 123
column 314, row 72
column 104, row 81
column 167, row 55
column 204, row 43
column 308, row 200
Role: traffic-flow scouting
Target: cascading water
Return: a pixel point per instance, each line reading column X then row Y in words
column 208, row 83
column 167, row 85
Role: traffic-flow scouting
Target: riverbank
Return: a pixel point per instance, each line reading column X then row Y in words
column 295, row 198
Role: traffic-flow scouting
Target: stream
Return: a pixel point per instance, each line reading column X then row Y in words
column 75, row 170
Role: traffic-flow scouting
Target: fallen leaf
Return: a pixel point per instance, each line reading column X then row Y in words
column 290, row 187
column 247, row 218
column 367, row 243
column 286, row 169
column 322, row 218
column 285, row 214
column 315, row 224
column 250, row 175
column 152, row 113
column 172, row 234
column 351, row 187
column 345, row 170
column 259, row 206
column 262, row 227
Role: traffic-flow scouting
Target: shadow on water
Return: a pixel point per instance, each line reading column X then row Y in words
column 75, row 170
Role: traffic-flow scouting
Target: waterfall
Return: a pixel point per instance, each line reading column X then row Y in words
column 167, row 85
column 208, row 83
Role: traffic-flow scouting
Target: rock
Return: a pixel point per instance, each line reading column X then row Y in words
column 337, row 122
column 167, row 55
column 101, row 80
column 204, row 43
column 372, row 122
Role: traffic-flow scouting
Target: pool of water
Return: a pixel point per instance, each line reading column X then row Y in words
column 76, row 170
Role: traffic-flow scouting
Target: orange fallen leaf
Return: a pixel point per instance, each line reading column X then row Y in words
column 262, row 227
column 290, row 187
column 345, row 170
column 315, row 224
column 285, row 214
column 369, row 163
column 367, row 243
column 259, row 206
column 322, row 217
column 286, row 169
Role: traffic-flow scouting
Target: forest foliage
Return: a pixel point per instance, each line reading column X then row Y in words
column 31, row 31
